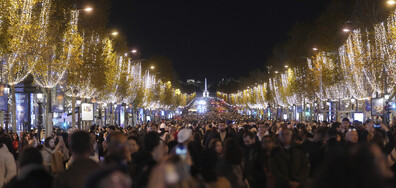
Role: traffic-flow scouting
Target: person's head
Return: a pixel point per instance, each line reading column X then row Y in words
column 216, row 145
column 117, row 145
column 233, row 153
column 285, row 136
column 261, row 128
column 249, row 138
column 49, row 142
column 378, row 139
column 150, row 141
column 345, row 123
column 267, row 143
column 336, row 125
column 222, row 126
column 184, row 136
column 172, row 129
column 319, row 134
column 152, row 144
column 352, row 136
column 80, row 144
column 110, row 129
column 133, row 144
column 332, row 133
column 15, row 136
column 153, row 128
column 30, row 155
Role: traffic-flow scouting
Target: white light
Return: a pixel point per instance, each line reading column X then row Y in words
column 391, row 2
column 19, row 108
column 315, row 49
column 202, row 102
column 88, row 9
column 134, row 51
column 346, row 30
column 276, row 72
column 78, row 102
column 386, row 96
column 39, row 96
column 6, row 90
column 114, row 33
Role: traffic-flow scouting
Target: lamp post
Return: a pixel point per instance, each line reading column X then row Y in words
column 78, row 102
column 40, row 115
column 105, row 114
column 7, row 114
column 354, row 106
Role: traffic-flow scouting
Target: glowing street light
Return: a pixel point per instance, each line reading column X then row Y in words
column 346, row 30
column 286, row 66
column 386, row 96
column 315, row 49
column 152, row 67
column 134, row 51
column 276, row 72
column 114, row 33
column 391, row 2
column 88, row 9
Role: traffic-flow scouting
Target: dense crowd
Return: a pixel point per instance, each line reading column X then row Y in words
column 223, row 150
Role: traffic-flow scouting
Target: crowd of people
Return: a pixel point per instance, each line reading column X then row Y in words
column 226, row 150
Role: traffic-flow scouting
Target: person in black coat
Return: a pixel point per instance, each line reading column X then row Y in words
column 254, row 161
column 223, row 134
column 290, row 164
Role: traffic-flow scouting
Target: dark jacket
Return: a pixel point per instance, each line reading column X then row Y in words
column 254, row 166
column 77, row 174
column 31, row 176
column 232, row 172
column 289, row 165
column 142, row 165
column 228, row 135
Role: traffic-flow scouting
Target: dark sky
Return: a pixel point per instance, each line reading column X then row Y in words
column 210, row 38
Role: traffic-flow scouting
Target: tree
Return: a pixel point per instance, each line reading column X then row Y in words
column 58, row 38
column 18, row 42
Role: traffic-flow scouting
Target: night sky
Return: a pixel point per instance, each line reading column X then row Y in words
column 210, row 38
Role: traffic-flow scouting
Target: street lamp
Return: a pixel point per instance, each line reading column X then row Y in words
column 88, row 9
column 286, row 66
column 78, row 102
column 346, row 30
column 40, row 114
column 386, row 96
column 134, row 51
column 391, row 2
column 276, row 72
column 114, row 33
column 152, row 67
column 6, row 91
column 315, row 49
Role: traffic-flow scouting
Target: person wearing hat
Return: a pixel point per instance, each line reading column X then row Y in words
column 184, row 136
